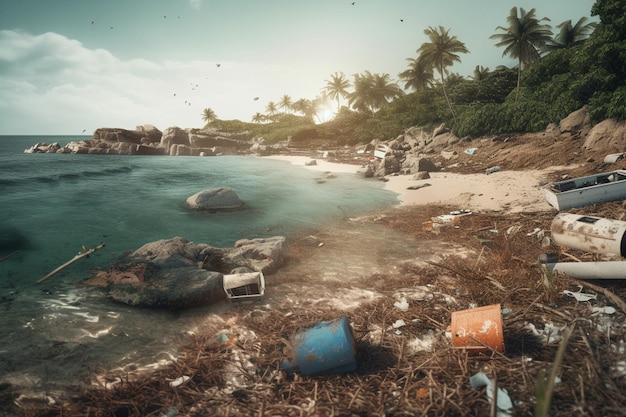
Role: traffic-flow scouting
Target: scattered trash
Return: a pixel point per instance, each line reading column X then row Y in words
column 471, row 151
column 402, row 305
column 613, row 158
column 179, row 381
column 170, row 413
column 244, row 287
column 584, row 191
column 503, row 401
column 492, row 170
column 589, row 233
column 326, row 347
column 479, row 330
column 583, row 270
column 581, row 296
column 603, row 310
column 398, row 323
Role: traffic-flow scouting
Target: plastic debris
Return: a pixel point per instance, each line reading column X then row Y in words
column 179, row 381
column 603, row 310
column 402, row 305
column 471, row 151
column 492, row 170
column 503, row 402
column 580, row 296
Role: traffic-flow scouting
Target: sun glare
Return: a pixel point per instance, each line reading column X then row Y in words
column 324, row 115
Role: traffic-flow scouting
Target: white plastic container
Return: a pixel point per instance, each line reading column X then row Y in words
column 589, row 233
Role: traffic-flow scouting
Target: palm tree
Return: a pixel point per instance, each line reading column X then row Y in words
column 337, row 87
column 285, row 103
column 441, row 52
column 271, row 108
column 419, row 76
column 208, row 115
column 480, row 73
column 569, row 35
column 372, row 91
column 523, row 39
column 258, row 118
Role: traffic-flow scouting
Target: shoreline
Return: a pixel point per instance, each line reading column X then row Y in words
column 508, row 191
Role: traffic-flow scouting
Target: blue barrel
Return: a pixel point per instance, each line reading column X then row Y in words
column 326, row 347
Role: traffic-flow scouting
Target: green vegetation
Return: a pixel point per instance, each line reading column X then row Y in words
column 557, row 73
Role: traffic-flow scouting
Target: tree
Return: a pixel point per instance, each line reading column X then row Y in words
column 569, row 35
column 258, row 118
column 523, row 39
column 285, row 103
column 418, row 76
column 372, row 91
column 337, row 87
column 441, row 52
column 271, row 108
column 480, row 73
column 208, row 115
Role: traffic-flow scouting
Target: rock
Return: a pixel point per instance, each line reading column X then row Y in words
column 415, row 163
column 173, row 136
column 311, row 162
column 215, row 199
column 608, row 135
column 176, row 252
column 42, row 147
column 262, row 255
column 444, row 139
column 117, row 135
column 176, row 273
column 421, row 175
column 150, row 132
column 440, row 130
column 176, row 289
column 388, row 165
column 576, row 123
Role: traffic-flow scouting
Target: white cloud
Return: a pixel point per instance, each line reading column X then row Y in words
column 50, row 84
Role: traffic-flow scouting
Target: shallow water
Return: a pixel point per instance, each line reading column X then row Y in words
column 54, row 334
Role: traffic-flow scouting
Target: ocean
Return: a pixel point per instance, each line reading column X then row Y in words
column 55, row 334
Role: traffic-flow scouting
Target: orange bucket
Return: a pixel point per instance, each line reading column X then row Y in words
column 478, row 330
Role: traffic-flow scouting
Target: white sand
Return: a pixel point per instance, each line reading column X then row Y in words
column 506, row 191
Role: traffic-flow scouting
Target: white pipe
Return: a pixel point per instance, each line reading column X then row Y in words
column 585, row 270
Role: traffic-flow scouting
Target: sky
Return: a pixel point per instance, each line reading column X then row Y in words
column 68, row 67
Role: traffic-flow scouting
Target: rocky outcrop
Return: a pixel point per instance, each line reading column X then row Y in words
column 215, row 199
column 177, row 273
column 148, row 140
column 576, row 124
column 609, row 135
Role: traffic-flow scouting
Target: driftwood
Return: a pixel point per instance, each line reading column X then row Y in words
column 9, row 255
column 84, row 253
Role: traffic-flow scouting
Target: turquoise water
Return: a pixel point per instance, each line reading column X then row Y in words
column 52, row 205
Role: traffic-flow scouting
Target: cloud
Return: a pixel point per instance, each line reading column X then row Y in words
column 50, row 84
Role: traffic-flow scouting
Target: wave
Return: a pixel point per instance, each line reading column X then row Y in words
column 66, row 176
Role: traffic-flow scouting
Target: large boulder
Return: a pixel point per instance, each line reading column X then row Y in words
column 576, row 124
column 215, row 199
column 150, row 133
column 415, row 163
column 177, row 273
column 174, row 136
column 263, row 254
column 174, row 289
column 608, row 135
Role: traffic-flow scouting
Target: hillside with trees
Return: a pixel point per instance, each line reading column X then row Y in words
column 558, row 71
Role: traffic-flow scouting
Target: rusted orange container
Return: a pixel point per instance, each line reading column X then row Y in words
column 478, row 330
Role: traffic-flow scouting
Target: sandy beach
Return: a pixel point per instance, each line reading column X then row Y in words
column 504, row 191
